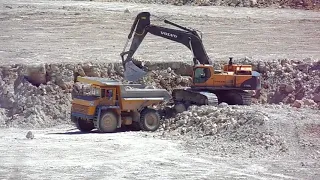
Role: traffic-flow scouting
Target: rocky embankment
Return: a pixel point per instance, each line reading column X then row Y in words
column 40, row 95
column 296, row 4
column 290, row 82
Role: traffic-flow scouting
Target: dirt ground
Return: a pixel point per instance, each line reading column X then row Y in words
column 64, row 153
column 74, row 31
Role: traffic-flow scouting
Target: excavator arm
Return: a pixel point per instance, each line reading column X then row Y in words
column 139, row 30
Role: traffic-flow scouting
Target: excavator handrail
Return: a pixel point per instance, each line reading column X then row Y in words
column 193, row 31
column 177, row 25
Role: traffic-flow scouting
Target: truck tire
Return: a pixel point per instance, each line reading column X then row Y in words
column 108, row 122
column 84, row 125
column 149, row 120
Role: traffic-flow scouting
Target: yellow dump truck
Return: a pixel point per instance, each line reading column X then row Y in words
column 111, row 104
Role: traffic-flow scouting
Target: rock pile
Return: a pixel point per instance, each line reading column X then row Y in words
column 30, row 105
column 290, row 82
column 227, row 123
column 166, row 79
column 40, row 95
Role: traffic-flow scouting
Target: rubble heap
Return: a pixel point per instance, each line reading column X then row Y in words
column 166, row 79
column 40, row 95
column 236, row 124
column 35, row 96
column 290, row 82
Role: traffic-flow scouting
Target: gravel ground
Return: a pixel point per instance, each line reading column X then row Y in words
column 77, row 31
column 63, row 153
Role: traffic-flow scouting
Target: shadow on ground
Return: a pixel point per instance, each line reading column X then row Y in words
column 75, row 131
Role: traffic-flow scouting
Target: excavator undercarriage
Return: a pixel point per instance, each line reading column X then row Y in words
column 189, row 96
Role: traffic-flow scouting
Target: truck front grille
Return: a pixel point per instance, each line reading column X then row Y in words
column 80, row 108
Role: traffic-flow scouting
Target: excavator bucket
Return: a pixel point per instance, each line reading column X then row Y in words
column 133, row 72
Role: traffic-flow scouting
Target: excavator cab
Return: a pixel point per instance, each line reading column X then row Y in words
column 201, row 74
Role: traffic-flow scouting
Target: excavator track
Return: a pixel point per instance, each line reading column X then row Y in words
column 211, row 97
column 192, row 97
column 246, row 98
column 234, row 97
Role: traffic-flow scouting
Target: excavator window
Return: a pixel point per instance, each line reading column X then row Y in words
column 201, row 75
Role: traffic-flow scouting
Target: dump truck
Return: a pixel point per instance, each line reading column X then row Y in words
column 111, row 104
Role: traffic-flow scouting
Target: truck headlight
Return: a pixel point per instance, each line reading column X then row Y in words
column 91, row 103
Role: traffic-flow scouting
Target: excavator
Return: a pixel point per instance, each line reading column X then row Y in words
column 209, row 86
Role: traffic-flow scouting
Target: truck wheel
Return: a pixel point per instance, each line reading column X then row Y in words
column 108, row 122
column 149, row 120
column 83, row 125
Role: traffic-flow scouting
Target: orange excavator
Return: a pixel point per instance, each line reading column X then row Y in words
column 209, row 86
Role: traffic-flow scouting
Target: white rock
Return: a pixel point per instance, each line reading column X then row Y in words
column 289, row 88
column 309, row 102
column 30, row 135
column 297, row 104
column 223, row 104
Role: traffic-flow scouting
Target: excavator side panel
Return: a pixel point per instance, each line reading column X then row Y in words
column 221, row 80
column 240, row 79
column 206, row 76
column 248, row 82
column 230, row 80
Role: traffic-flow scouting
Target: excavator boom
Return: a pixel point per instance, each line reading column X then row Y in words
column 139, row 30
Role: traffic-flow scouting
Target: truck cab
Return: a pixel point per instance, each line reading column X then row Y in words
column 85, row 105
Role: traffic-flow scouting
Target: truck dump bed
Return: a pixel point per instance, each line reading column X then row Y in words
column 144, row 93
column 128, row 90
